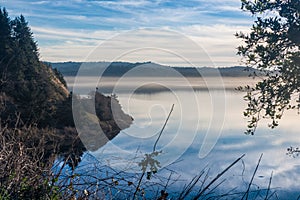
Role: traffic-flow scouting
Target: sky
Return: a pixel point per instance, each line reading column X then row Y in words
column 71, row 30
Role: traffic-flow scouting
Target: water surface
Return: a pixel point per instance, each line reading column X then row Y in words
column 206, row 129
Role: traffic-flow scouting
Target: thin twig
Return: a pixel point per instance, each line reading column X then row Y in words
column 154, row 147
column 168, row 181
column 217, row 177
column 214, row 188
column 248, row 189
column 138, row 185
column 188, row 189
column 269, row 186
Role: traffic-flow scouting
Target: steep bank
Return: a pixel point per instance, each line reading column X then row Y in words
column 32, row 94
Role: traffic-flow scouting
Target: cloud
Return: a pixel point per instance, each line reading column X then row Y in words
column 131, row 3
column 217, row 41
column 39, row 2
column 72, row 33
column 65, row 25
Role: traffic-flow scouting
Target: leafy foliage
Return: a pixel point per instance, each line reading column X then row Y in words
column 293, row 151
column 149, row 161
column 272, row 46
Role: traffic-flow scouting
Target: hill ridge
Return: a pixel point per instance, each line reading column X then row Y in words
column 120, row 68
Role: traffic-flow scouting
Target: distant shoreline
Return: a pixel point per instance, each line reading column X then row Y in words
column 147, row 69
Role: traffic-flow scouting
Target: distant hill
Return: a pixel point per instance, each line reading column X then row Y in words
column 118, row 69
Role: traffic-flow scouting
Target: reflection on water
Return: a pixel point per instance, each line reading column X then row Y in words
column 197, row 119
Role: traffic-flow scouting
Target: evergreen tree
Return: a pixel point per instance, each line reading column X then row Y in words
column 24, row 40
column 34, row 87
column 5, row 44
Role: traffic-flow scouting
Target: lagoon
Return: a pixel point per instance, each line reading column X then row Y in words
column 205, row 130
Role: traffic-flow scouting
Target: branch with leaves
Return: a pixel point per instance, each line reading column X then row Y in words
column 273, row 47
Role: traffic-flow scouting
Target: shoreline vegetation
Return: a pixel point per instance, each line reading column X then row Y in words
column 36, row 117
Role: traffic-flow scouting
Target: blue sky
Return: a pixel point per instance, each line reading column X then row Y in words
column 71, row 29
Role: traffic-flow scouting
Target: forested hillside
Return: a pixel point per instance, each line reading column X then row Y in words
column 31, row 92
column 29, row 88
column 36, row 120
